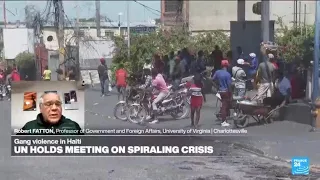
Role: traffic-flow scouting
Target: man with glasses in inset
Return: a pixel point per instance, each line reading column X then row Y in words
column 51, row 118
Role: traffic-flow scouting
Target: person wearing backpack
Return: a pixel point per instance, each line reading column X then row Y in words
column 239, row 76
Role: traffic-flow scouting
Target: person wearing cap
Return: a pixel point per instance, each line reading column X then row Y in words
column 265, row 76
column 253, row 65
column 239, row 75
column 103, row 76
column 272, row 59
column 252, row 69
column 224, row 79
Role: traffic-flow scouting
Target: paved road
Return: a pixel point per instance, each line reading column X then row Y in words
column 229, row 161
column 283, row 139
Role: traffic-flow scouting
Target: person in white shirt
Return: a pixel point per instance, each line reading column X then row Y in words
column 239, row 77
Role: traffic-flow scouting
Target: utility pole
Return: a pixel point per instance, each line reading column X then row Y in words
column 305, row 20
column 4, row 14
column 299, row 17
column 315, row 88
column 265, row 20
column 98, row 18
column 241, row 10
column 128, row 27
column 61, row 77
column 77, row 29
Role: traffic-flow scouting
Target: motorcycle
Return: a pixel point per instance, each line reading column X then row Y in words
column 168, row 106
column 8, row 89
column 133, row 95
column 181, row 93
column 3, row 91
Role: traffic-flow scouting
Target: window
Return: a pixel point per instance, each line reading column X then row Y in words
column 109, row 33
column 171, row 5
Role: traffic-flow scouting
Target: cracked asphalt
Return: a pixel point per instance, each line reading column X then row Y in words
column 228, row 162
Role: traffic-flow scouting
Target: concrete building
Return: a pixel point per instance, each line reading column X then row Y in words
column 88, row 31
column 16, row 41
column 202, row 16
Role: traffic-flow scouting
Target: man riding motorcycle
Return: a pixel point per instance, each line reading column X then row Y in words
column 159, row 84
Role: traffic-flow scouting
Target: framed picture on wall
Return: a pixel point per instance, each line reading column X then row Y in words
column 71, row 101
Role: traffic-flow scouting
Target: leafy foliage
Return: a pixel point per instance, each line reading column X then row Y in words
column 25, row 60
column 296, row 43
column 26, row 64
column 143, row 47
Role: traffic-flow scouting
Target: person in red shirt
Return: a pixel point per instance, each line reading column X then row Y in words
column 2, row 77
column 121, row 81
column 196, row 100
column 15, row 76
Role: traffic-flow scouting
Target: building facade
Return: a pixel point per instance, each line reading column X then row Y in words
column 88, row 31
column 216, row 15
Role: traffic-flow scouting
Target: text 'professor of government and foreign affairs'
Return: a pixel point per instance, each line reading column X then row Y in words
column 51, row 118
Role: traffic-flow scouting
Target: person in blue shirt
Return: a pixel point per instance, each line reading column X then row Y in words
column 282, row 92
column 253, row 65
column 224, row 79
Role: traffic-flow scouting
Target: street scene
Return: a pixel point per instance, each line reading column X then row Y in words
column 244, row 161
column 249, row 76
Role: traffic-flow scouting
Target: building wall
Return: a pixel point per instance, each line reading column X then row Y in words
column 173, row 18
column 88, row 34
column 216, row 15
column 16, row 41
column 69, row 36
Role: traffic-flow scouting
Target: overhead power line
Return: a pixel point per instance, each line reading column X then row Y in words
column 147, row 7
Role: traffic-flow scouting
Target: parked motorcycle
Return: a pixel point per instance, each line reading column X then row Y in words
column 133, row 95
column 3, row 91
column 8, row 88
column 137, row 113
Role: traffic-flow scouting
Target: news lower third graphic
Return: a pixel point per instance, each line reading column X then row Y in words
column 300, row 166
column 108, row 146
column 127, row 131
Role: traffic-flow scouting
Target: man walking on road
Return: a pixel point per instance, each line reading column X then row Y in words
column 103, row 76
column 265, row 78
column 121, row 79
column 224, row 79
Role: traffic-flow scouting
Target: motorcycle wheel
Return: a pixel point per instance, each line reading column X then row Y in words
column 136, row 114
column 182, row 111
column 123, row 107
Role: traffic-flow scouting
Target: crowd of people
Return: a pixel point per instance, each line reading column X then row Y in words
column 9, row 74
column 233, row 78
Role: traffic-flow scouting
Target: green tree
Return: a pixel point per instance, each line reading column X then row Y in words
column 296, row 43
column 143, row 47
column 26, row 64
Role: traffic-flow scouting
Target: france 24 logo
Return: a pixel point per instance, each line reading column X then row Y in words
column 300, row 166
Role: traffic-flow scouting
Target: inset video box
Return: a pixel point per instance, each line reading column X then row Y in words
column 41, row 107
column 109, row 146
